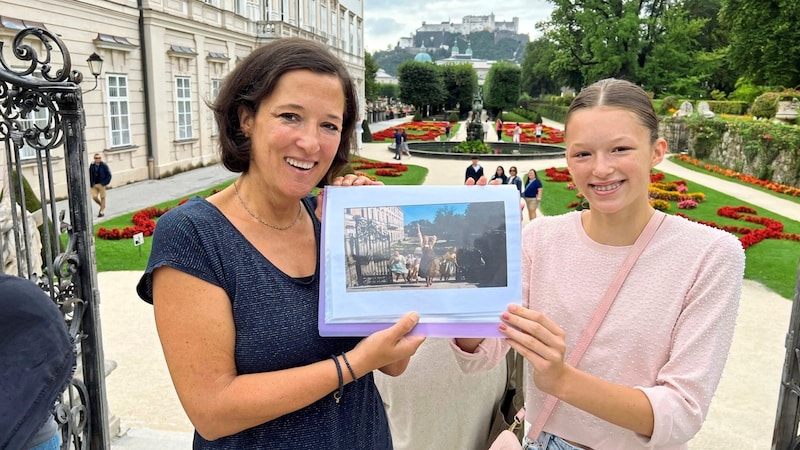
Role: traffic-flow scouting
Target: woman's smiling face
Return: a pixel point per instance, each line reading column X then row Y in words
column 610, row 155
column 295, row 131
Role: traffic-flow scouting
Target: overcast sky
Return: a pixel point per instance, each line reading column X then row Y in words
column 386, row 21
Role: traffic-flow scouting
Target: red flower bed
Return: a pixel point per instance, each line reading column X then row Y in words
column 416, row 131
column 550, row 135
column 773, row 229
column 775, row 187
column 142, row 223
column 554, row 174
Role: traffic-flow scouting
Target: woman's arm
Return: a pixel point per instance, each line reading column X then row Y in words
column 195, row 325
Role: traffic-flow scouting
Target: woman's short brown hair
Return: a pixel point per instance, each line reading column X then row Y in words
column 254, row 79
column 615, row 93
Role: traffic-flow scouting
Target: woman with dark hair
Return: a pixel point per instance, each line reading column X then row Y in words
column 649, row 372
column 500, row 175
column 234, row 278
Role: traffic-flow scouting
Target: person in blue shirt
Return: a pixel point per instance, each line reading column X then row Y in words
column 398, row 143
column 532, row 193
column 234, row 279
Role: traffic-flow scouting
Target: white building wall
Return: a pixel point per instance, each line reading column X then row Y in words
column 192, row 24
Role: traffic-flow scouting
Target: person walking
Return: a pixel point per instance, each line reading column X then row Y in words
column 498, row 126
column 99, row 178
column 398, row 143
column 406, row 151
column 517, row 133
column 539, row 133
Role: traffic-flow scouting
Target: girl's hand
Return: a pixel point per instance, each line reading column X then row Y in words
column 540, row 341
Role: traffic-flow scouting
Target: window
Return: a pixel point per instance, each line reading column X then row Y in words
column 215, row 84
column 323, row 19
column 38, row 118
column 238, row 7
column 183, row 107
column 253, row 10
column 212, row 2
column 118, row 110
column 312, row 14
column 334, row 26
column 343, row 29
column 285, row 10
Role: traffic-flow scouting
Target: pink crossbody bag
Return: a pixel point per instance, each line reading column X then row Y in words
column 507, row 440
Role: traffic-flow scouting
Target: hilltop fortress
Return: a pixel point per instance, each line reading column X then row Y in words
column 442, row 35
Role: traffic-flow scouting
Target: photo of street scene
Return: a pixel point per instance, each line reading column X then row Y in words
column 431, row 246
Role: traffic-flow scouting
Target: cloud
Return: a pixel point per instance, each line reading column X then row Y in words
column 386, row 21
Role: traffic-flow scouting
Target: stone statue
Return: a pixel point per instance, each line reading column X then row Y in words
column 685, row 111
column 474, row 126
column 704, row 110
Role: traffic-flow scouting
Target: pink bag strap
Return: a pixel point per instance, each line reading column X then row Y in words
column 599, row 314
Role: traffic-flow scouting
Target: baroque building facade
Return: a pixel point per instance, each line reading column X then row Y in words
column 163, row 61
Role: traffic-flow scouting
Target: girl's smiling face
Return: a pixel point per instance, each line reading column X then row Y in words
column 295, row 131
column 610, row 155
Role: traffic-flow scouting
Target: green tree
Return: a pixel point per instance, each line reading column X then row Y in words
column 390, row 60
column 388, row 90
column 460, row 84
column 536, row 75
column 501, row 87
column 420, row 84
column 597, row 39
column 764, row 40
column 370, row 85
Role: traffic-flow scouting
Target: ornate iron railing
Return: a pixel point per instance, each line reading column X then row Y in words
column 49, row 89
column 788, row 416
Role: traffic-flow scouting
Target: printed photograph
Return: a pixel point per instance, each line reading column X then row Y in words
column 425, row 246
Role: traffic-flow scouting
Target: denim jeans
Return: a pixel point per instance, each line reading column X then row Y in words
column 53, row 443
column 547, row 441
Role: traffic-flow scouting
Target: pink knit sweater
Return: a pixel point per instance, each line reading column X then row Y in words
column 668, row 332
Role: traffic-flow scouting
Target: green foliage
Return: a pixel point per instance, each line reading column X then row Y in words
column 765, row 105
column 460, row 84
column 764, row 40
column 420, row 84
column 472, row 147
column 667, row 103
column 417, row 116
column 370, row 85
column 729, row 107
column 453, row 117
column 718, row 95
column 745, row 91
column 390, row 60
column 705, row 133
column 501, row 87
column 553, row 112
column 537, row 79
column 530, row 116
column 388, row 90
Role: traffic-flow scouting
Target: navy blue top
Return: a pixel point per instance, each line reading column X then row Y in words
column 276, row 328
column 99, row 174
column 532, row 188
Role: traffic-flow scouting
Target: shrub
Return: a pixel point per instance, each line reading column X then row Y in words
column 417, row 117
column 718, row 95
column 745, row 91
column 453, row 117
column 366, row 135
column 472, row 147
column 765, row 105
column 669, row 102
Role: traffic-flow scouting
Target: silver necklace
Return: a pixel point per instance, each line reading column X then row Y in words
column 264, row 222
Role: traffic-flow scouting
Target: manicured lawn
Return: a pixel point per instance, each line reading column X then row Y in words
column 771, row 262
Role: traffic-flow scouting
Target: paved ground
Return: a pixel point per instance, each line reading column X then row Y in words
column 141, row 394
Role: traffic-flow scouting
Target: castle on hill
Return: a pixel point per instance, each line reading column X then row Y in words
column 443, row 35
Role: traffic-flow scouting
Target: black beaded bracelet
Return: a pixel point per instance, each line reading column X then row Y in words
column 349, row 367
column 338, row 394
